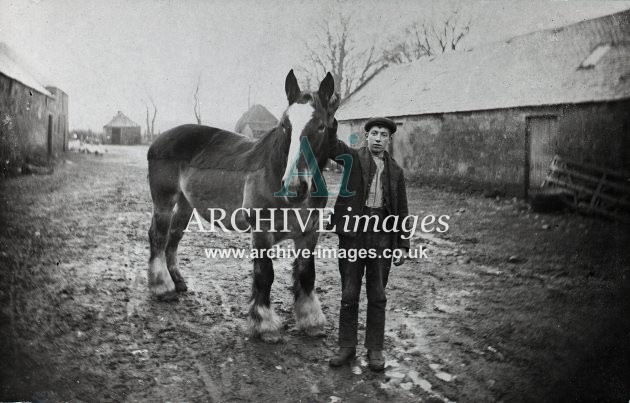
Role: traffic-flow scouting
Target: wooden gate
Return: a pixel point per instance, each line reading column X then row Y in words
column 541, row 135
column 592, row 189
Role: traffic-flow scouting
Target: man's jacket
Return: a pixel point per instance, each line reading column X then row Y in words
column 362, row 173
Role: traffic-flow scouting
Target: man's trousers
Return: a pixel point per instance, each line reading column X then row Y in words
column 376, row 274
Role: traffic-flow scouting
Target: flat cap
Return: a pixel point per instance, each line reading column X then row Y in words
column 380, row 121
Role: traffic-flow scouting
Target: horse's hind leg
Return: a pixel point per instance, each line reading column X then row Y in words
column 263, row 321
column 160, row 282
column 164, row 192
column 309, row 317
column 178, row 224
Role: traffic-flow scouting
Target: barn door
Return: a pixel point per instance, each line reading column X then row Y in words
column 541, row 131
column 62, row 119
column 50, row 135
column 116, row 135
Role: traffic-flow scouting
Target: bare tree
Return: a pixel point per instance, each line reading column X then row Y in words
column 151, row 123
column 197, row 105
column 422, row 39
column 334, row 47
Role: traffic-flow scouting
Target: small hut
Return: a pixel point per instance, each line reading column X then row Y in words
column 256, row 122
column 122, row 130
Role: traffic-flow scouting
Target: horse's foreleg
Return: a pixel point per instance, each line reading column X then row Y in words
column 178, row 224
column 308, row 311
column 263, row 322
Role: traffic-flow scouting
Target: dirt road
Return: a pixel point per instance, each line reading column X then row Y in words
column 509, row 305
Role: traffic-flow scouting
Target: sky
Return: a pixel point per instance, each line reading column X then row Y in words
column 117, row 55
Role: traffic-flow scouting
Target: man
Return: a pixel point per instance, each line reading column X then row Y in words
column 379, row 190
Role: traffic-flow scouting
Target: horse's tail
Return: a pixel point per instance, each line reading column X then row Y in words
column 165, row 156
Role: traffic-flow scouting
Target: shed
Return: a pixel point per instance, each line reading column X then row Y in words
column 256, row 122
column 496, row 115
column 33, row 118
column 122, row 130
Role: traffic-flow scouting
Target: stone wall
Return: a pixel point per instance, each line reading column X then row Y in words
column 489, row 148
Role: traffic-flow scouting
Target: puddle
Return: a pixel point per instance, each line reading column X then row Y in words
column 411, row 343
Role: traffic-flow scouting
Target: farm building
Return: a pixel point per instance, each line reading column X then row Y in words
column 122, row 130
column 496, row 115
column 33, row 118
column 256, row 122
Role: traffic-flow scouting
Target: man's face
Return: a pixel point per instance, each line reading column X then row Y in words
column 378, row 139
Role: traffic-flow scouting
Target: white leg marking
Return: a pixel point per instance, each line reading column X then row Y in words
column 268, row 328
column 308, row 314
column 160, row 281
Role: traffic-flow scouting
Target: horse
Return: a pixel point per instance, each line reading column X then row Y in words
column 195, row 167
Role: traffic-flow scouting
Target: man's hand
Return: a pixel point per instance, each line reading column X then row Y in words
column 401, row 259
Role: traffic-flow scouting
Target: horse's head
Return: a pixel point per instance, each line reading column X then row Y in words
column 307, row 117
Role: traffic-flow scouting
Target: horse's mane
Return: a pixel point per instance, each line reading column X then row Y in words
column 211, row 148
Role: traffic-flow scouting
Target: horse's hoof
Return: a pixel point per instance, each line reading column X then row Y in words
column 271, row 337
column 315, row 331
column 180, row 286
column 170, row 296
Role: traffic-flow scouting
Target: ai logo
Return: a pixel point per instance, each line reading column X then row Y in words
column 313, row 171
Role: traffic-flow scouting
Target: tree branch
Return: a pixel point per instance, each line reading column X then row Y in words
column 422, row 39
column 197, row 105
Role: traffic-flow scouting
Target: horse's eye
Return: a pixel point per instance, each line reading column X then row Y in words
column 321, row 127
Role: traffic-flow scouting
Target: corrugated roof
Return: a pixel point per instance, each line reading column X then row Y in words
column 541, row 68
column 10, row 68
column 120, row 120
column 257, row 115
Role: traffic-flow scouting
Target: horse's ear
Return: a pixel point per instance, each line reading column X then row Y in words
column 326, row 88
column 291, row 87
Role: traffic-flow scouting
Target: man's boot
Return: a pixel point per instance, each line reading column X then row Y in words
column 376, row 361
column 343, row 356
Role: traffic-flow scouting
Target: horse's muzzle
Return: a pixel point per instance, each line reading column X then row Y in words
column 300, row 189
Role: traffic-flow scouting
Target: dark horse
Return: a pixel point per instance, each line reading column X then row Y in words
column 200, row 167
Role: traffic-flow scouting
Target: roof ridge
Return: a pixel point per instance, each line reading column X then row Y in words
column 510, row 40
column 560, row 28
column 255, row 113
column 121, row 120
column 13, row 69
